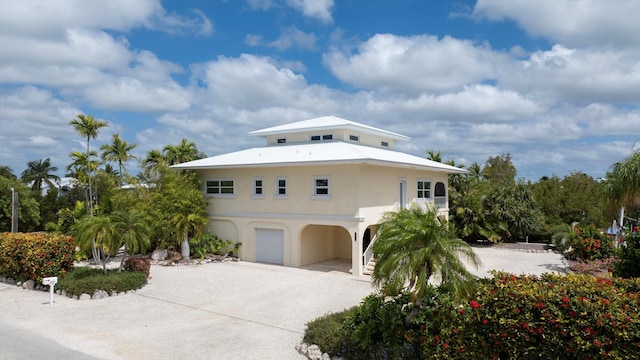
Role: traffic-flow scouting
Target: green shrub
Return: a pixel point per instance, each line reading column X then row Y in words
column 35, row 255
column 138, row 264
column 550, row 317
column 207, row 243
column 510, row 317
column 85, row 280
column 590, row 243
column 628, row 263
column 327, row 332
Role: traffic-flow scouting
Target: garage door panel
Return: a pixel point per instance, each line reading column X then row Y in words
column 270, row 246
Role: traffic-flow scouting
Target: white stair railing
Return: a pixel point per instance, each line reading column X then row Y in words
column 367, row 256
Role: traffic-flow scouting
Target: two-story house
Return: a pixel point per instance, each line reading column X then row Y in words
column 316, row 191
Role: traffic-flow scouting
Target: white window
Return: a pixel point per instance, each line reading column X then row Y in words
column 384, row 143
column 281, row 187
column 220, row 187
column 315, row 138
column 424, row 189
column 282, row 141
column 354, row 138
column 258, row 187
column 327, row 137
column 321, row 187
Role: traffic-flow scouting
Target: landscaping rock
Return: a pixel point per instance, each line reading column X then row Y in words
column 114, row 293
column 84, row 297
column 314, row 353
column 29, row 284
column 160, row 254
column 10, row 281
column 3, row 279
column 99, row 294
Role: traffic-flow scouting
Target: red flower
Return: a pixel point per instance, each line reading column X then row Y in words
column 445, row 346
column 474, row 304
column 540, row 306
column 460, row 311
column 485, row 321
column 565, row 299
column 525, row 325
column 516, row 310
column 437, row 339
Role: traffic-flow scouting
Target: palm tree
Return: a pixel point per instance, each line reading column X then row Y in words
column 184, row 223
column 77, row 169
column 6, row 172
column 97, row 232
column 118, row 151
column 412, row 247
column 183, row 152
column 434, row 156
column 88, row 127
column 623, row 181
column 134, row 232
column 40, row 171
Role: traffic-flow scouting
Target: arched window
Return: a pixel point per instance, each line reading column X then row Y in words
column 440, row 195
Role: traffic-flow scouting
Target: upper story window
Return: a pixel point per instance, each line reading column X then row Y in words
column 220, row 187
column 321, row 186
column 281, row 187
column 282, row 141
column 325, row 137
column 424, row 189
column 384, row 143
column 354, row 138
column 258, row 187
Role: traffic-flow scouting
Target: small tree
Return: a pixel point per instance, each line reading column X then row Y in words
column 412, row 247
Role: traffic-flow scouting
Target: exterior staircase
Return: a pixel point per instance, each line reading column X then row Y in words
column 368, row 270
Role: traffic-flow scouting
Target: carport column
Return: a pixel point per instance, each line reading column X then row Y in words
column 356, row 249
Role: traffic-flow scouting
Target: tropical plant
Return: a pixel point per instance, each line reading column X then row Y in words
column 99, row 233
column 183, row 152
column 623, row 181
column 88, row 128
column 133, row 232
column 39, row 171
column 6, row 172
column 118, row 151
column 514, row 206
column 412, row 247
column 28, row 207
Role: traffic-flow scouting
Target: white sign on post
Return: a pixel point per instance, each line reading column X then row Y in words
column 51, row 281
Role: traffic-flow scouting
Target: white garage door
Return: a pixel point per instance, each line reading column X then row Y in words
column 270, row 246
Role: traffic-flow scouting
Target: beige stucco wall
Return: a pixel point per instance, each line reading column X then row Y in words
column 359, row 196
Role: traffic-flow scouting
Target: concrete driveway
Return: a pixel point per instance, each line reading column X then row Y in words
column 232, row 310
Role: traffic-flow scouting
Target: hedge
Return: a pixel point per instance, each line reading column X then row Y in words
column 35, row 255
column 509, row 317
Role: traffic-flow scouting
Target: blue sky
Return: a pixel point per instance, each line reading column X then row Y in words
column 555, row 83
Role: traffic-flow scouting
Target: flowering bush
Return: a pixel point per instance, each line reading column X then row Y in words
column 548, row 317
column 628, row 263
column 138, row 264
column 509, row 317
column 590, row 243
column 35, row 255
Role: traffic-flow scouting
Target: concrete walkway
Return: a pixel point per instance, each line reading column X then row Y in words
column 232, row 310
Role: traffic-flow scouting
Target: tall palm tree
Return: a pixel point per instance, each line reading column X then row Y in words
column 134, row 232
column 77, row 169
column 413, row 246
column 40, row 171
column 434, row 156
column 118, row 151
column 623, row 181
column 6, row 172
column 183, row 152
column 88, row 127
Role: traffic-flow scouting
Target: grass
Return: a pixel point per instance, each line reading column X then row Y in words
column 84, row 280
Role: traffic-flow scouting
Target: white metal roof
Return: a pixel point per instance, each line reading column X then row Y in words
column 317, row 154
column 326, row 123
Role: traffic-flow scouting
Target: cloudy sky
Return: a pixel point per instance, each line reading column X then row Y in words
column 555, row 83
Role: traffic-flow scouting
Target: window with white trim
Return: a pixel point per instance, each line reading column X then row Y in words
column 258, row 187
column 384, row 143
column 321, row 186
column 424, row 189
column 281, row 187
column 220, row 187
column 354, row 138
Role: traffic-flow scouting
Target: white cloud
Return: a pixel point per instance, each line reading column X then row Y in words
column 290, row 37
column 571, row 22
column 416, row 64
column 318, row 9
